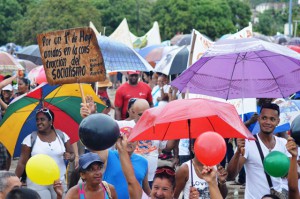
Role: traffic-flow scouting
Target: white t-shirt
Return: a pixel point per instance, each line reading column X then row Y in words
column 200, row 184
column 184, row 147
column 55, row 150
column 257, row 184
column 149, row 150
column 156, row 92
column 125, row 123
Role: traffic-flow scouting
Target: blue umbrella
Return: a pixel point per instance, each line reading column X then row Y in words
column 31, row 53
column 119, row 57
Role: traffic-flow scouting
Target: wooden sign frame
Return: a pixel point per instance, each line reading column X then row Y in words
column 71, row 56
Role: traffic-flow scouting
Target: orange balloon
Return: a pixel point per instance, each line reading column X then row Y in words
column 210, row 148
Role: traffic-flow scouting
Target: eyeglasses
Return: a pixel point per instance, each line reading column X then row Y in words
column 166, row 170
column 45, row 110
column 131, row 102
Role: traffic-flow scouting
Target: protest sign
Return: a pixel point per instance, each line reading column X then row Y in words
column 71, row 56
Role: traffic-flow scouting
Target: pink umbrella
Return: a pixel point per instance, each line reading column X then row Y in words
column 8, row 63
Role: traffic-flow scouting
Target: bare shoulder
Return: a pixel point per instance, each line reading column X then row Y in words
column 73, row 193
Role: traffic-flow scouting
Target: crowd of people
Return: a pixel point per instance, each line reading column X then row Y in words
column 147, row 168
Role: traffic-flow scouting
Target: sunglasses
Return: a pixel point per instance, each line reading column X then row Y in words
column 45, row 110
column 131, row 102
column 165, row 170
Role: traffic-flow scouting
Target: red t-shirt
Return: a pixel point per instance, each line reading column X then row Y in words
column 127, row 91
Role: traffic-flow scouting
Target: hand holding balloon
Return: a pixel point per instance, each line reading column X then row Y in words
column 291, row 146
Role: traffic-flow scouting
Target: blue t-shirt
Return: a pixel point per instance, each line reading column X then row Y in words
column 114, row 174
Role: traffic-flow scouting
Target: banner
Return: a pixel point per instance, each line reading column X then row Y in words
column 242, row 106
column 199, row 46
column 71, row 56
column 244, row 33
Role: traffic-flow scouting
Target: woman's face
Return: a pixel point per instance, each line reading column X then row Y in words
column 22, row 87
column 162, row 189
column 7, row 94
column 42, row 122
column 93, row 174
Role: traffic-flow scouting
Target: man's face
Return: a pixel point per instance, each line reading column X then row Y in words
column 12, row 182
column 268, row 120
column 133, row 79
column 131, row 146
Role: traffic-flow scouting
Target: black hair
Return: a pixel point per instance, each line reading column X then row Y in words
column 47, row 114
column 271, row 106
column 23, row 193
column 26, row 82
column 270, row 196
column 165, row 175
column 131, row 101
column 107, row 101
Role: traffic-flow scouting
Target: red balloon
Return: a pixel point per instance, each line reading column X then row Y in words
column 210, row 148
column 41, row 77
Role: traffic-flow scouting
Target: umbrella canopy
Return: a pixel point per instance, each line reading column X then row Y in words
column 243, row 68
column 8, row 63
column 184, row 40
column 119, row 57
column 31, row 53
column 174, row 62
column 64, row 101
column 28, row 65
column 153, row 54
column 294, row 41
column 189, row 118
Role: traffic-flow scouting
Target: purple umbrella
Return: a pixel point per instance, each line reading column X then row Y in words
column 243, row 68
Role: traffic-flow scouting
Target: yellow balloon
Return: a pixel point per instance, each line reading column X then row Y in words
column 42, row 169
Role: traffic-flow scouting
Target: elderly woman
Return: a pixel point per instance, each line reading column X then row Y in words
column 49, row 141
column 91, row 168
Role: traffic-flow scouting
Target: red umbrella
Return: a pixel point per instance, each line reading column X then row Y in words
column 295, row 48
column 188, row 119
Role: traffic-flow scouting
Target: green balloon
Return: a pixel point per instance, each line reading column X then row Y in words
column 276, row 164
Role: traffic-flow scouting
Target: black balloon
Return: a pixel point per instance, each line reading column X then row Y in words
column 295, row 129
column 98, row 131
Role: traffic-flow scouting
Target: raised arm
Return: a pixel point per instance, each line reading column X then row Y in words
column 293, row 173
column 134, row 188
column 209, row 175
column 237, row 161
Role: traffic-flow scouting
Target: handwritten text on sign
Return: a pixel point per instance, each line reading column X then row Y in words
column 71, row 56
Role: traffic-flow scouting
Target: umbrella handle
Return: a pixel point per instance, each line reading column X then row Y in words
column 82, row 94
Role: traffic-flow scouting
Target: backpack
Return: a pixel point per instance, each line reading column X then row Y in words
column 33, row 137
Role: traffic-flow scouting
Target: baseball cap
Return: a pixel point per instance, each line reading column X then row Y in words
column 87, row 159
column 134, row 72
column 8, row 87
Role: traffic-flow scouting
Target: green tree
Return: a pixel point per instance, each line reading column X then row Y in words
column 241, row 13
column 212, row 18
column 9, row 12
column 42, row 16
column 137, row 13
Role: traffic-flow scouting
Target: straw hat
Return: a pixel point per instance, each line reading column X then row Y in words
column 105, row 83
